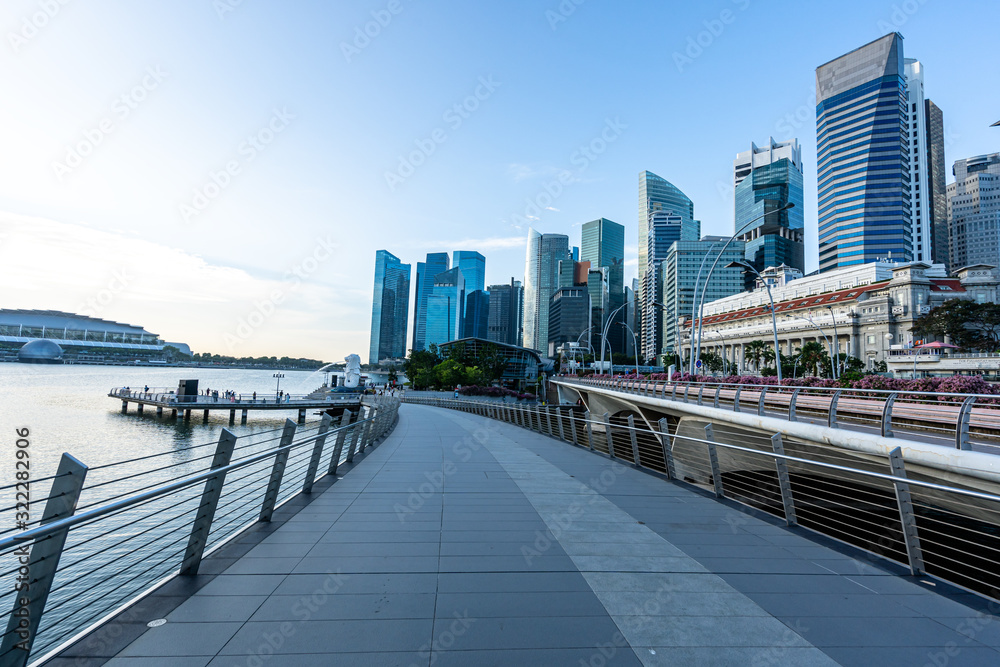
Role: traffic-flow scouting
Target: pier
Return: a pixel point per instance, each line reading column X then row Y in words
column 182, row 406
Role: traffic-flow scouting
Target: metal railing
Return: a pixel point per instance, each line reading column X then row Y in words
column 170, row 397
column 933, row 529
column 78, row 564
column 941, row 416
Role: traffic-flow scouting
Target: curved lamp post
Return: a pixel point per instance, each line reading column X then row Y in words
column 694, row 303
column 836, row 338
column 635, row 343
column 604, row 337
column 774, row 320
column 716, row 262
column 724, row 343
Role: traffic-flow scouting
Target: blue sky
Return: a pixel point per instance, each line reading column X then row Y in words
column 235, row 164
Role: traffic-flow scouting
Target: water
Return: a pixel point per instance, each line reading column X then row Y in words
column 66, row 409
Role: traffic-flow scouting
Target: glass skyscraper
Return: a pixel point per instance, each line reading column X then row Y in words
column 767, row 179
column 541, row 280
column 506, row 313
column 473, row 267
column 437, row 262
column 602, row 243
column 446, row 307
column 390, row 308
column 477, row 314
column 937, row 199
column 861, row 144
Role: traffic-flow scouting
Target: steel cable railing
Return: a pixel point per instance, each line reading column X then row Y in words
column 945, row 531
column 83, row 561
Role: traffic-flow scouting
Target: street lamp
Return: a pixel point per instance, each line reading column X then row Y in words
column 836, row 337
column 635, row 342
column 833, row 370
column 604, row 337
column 694, row 301
column 774, row 321
column 724, row 343
column 718, row 257
column 278, row 386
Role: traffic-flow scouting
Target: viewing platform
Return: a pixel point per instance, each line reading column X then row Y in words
column 183, row 406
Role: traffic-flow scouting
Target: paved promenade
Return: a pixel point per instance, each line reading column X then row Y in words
column 463, row 541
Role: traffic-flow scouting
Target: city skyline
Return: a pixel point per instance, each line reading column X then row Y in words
column 168, row 222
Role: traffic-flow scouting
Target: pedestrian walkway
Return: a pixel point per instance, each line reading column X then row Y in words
column 464, row 541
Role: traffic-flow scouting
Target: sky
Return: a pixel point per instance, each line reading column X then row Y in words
column 222, row 172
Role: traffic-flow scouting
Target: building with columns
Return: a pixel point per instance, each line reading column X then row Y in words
column 863, row 311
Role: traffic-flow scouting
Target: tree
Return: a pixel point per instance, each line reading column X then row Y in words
column 392, row 377
column 711, row 361
column 812, row 357
column 755, row 351
column 968, row 324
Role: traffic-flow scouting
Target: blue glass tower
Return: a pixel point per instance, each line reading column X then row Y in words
column 446, row 307
column 862, row 154
column 477, row 315
column 390, row 308
column 473, row 267
column 437, row 262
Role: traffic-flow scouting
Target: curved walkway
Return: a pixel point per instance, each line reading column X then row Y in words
column 463, row 541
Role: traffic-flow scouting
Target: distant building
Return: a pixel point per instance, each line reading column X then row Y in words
column 569, row 316
column 390, row 308
column 523, row 365
column 974, row 211
column 936, row 193
column 862, row 139
column 602, row 244
column 446, row 307
column 506, row 313
column 766, row 179
column 437, row 263
column 477, row 315
column 473, row 267
column 541, row 280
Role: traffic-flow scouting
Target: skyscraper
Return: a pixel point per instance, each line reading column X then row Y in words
column 658, row 195
column 569, row 316
column 446, row 307
column 923, row 147
column 974, row 211
column 936, row 193
column 541, row 279
column 506, row 313
column 767, row 179
column 602, row 243
column 473, row 267
column 861, row 143
column 437, row 262
column 477, row 315
column 664, row 230
column 390, row 308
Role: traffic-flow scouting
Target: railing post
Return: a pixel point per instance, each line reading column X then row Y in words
column 356, row 432
column 338, row 447
column 366, row 436
column 317, row 453
column 590, row 430
column 715, row 403
column 562, row 430
column 673, row 391
column 572, row 425
column 791, row 403
column 713, row 458
column 736, row 399
column 831, row 419
column 760, row 401
column 668, row 455
column 202, row 525
column 962, row 425
column 277, row 472
column 914, row 554
column 607, row 431
column 548, row 421
column 784, row 484
column 635, row 442
column 887, row 416
column 43, row 560
column 687, row 389
column 701, row 392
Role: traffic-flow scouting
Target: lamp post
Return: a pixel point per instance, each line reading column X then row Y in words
column 278, row 386
column 591, row 347
column 634, row 343
column 774, row 319
column 723, row 338
column 716, row 262
column 833, row 370
column 694, row 302
column 604, row 337
column 836, row 337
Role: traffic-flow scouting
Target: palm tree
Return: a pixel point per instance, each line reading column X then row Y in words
column 755, row 351
column 813, row 356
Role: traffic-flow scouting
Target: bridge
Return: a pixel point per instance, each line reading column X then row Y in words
column 458, row 532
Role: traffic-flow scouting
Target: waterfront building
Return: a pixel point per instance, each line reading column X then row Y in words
column 541, row 280
column 390, row 308
column 765, row 180
column 602, row 243
column 862, row 158
column 680, row 272
column 973, row 207
column 473, row 266
column 477, row 314
column 569, row 316
column 446, row 307
column 506, row 313
column 523, row 365
column 874, row 306
column 436, row 263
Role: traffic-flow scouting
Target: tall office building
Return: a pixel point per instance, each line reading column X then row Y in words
column 390, row 308
column 974, row 211
column 937, row 185
column 473, row 267
column 766, row 179
column 861, row 144
column 680, row 273
column 917, row 156
column 446, row 307
column 631, row 319
column 569, row 316
column 602, row 243
column 541, row 279
column 663, row 231
column 658, row 195
column 477, row 314
column 437, row 262
column 506, row 313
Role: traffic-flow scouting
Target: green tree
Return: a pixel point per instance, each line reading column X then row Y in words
column 812, row 357
column 969, row 325
column 755, row 351
column 392, row 377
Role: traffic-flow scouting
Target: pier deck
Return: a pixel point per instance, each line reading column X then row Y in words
column 465, row 541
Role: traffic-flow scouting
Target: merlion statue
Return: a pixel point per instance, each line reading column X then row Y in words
column 352, row 373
